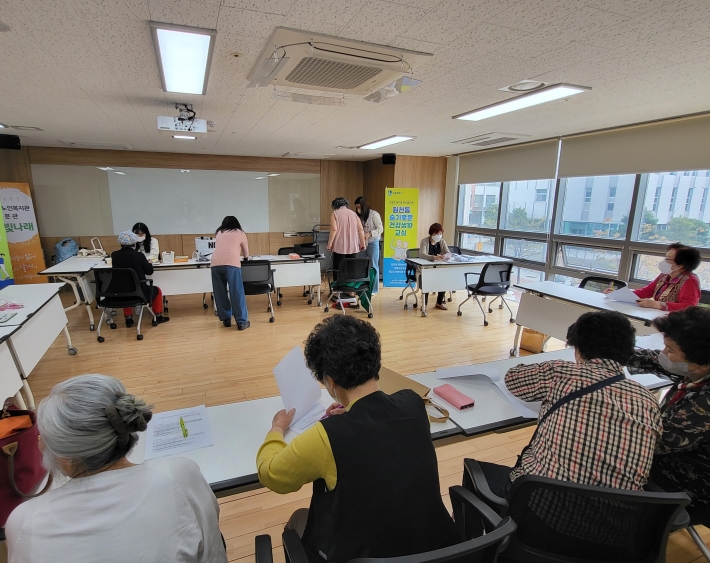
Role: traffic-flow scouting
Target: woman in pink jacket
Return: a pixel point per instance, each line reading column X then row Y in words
column 226, row 270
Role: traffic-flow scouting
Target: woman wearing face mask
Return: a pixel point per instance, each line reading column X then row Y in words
column 433, row 248
column 682, row 457
column 372, row 225
column 147, row 244
column 677, row 287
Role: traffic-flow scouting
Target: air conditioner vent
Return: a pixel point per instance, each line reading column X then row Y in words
column 491, row 139
column 322, row 73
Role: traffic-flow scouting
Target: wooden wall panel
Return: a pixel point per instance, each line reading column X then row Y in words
column 429, row 175
column 188, row 243
column 339, row 178
column 377, row 177
column 98, row 157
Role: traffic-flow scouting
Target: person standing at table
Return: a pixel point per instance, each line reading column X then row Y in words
column 677, row 287
column 347, row 236
column 147, row 244
column 433, row 248
column 231, row 244
column 372, row 225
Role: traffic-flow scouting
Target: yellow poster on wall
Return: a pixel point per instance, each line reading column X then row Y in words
column 22, row 233
column 400, row 222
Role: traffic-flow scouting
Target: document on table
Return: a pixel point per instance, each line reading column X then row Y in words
column 177, row 432
column 299, row 390
column 316, row 413
column 625, row 295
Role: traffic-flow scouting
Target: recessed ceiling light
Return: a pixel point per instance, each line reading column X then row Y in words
column 394, row 139
column 184, row 56
column 104, row 168
column 523, row 86
column 184, row 170
column 260, row 178
column 274, row 174
column 189, row 137
column 3, row 126
column 547, row 94
column 121, row 173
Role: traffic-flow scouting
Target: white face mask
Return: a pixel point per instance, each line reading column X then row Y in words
column 665, row 267
column 140, row 239
column 677, row 368
column 436, row 238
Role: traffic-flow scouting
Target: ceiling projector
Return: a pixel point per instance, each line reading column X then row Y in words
column 175, row 124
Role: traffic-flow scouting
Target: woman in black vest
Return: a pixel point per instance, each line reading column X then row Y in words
column 373, row 467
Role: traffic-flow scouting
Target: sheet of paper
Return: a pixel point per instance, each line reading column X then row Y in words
column 491, row 373
column 649, row 380
column 625, row 295
column 316, row 412
column 176, row 432
column 526, row 410
column 299, row 389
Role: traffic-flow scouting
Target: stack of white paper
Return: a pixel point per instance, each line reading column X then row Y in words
column 177, row 432
column 625, row 295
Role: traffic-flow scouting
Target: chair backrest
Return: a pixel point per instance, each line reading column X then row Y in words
column 306, row 249
column 495, row 274
column 354, row 270
column 599, row 284
column 286, row 250
column 413, row 253
column 117, row 283
column 562, row 521
column 454, row 249
column 257, row 271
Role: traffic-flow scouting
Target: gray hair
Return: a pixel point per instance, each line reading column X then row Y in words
column 90, row 420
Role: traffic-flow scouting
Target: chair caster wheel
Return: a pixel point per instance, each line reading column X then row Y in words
column 268, row 309
column 423, row 313
column 319, row 303
column 490, row 310
column 414, row 306
column 100, row 338
column 113, row 313
column 92, row 328
column 281, row 295
column 485, row 323
column 278, row 303
column 500, row 306
column 166, row 309
column 310, row 301
column 449, row 299
column 204, row 305
column 369, row 315
column 271, row 320
column 154, row 323
column 406, row 306
column 73, row 351
column 325, row 310
column 513, row 352
column 139, row 337
column 459, row 313
column 305, row 294
column 512, row 320
column 400, row 297
column 113, row 326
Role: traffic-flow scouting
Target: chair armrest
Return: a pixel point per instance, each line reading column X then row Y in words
column 681, row 522
column 460, row 498
column 471, row 274
column 262, row 549
column 293, row 547
column 475, row 480
column 149, row 281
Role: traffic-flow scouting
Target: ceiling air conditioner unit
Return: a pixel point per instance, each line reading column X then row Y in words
column 301, row 59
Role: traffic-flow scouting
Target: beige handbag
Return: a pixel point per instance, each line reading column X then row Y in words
column 533, row 341
column 390, row 382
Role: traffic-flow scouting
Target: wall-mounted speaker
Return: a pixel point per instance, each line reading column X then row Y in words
column 11, row 142
column 389, row 158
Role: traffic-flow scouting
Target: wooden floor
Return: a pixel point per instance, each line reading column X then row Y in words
column 194, row 360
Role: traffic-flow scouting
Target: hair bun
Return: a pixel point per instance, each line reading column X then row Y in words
column 129, row 414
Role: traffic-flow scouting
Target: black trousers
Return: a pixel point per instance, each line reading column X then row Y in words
column 337, row 258
column 440, row 298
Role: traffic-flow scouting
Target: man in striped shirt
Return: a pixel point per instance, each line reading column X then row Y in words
column 605, row 437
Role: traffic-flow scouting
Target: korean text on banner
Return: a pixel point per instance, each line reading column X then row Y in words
column 401, row 218
column 22, row 233
column 5, row 262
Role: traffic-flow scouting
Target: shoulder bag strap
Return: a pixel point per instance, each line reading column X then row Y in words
column 568, row 399
column 9, row 451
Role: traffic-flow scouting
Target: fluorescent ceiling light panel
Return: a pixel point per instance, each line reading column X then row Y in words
column 189, row 137
column 260, row 178
column 547, row 94
column 393, row 140
column 3, row 126
column 184, row 56
column 121, row 173
column 274, row 174
column 104, row 168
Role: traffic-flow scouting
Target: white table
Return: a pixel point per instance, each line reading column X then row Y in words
column 78, row 272
column 10, row 379
column 238, row 431
column 37, row 325
column 437, row 275
column 290, row 272
column 551, row 308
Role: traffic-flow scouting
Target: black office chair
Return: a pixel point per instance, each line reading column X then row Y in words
column 258, row 279
column 599, row 284
column 454, row 250
column 353, row 277
column 411, row 277
column 493, row 281
column 699, row 517
column 561, row 522
column 117, row 288
column 470, row 516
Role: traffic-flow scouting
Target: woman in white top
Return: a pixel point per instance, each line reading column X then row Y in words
column 111, row 510
column 372, row 225
column 147, row 244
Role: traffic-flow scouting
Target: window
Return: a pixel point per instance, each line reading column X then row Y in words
column 526, row 275
column 612, row 193
column 528, row 206
column 478, row 243
column 586, row 210
column 588, row 258
column 522, row 249
column 567, row 280
column 660, row 224
column 478, row 205
column 645, row 268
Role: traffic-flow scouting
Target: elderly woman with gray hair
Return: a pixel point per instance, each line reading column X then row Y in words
column 111, row 510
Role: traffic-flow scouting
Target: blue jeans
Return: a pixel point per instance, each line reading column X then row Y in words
column 233, row 302
column 373, row 253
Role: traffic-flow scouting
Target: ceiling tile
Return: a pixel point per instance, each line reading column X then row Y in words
column 281, row 7
column 631, row 8
column 421, row 4
column 333, row 12
column 482, row 39
column 77, row 51
column 246, row 22
column 184, row 12
column 529, row 16
column 380, row 22
column 49, row 15
column 691, row 16
column 125, row 9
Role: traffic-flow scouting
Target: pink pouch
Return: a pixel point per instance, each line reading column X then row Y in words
column 454, row 397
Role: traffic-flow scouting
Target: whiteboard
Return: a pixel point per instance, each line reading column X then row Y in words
column 171, row 201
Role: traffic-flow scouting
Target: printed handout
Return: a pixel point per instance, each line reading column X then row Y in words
column 176, row 432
